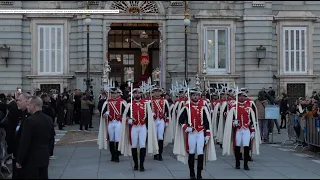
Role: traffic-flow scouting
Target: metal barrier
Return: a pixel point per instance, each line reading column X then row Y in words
column 313, row 131
column 303, row 131
column 296, row 127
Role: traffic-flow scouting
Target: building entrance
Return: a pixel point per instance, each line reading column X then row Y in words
column 125, row 50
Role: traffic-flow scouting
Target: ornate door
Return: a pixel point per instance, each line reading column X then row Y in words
column 295, row 90
column 120, row 61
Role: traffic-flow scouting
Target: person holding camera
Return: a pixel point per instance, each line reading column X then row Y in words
column 85, row 111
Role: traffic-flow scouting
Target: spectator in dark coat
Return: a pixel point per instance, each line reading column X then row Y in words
column 101, row 101
column 22, row 101
column 13, row 120
column 284, row 109
column 33, row 152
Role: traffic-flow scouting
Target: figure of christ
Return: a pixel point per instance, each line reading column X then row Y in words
column 144, row 53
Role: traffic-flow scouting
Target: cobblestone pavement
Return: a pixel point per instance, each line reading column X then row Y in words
column 84, row 160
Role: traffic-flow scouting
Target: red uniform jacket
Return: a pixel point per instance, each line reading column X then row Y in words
column 199, row 120
column 181, row 99
column 214, row 103
column 160, row 109
column 116, row 109
column 231, row 102
column 244, row 116
column 139, row 113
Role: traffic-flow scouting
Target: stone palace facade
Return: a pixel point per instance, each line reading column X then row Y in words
column 49, row 50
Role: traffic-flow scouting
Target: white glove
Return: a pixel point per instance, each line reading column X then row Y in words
column 188, row 130
column 206, row 139
column 212, row 111
column 153, row 114
column 252, row 135
column 129, row 121
column 235, row 122
column 167, row 124
column 107, row 113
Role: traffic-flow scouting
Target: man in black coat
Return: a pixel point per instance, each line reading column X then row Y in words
column 13, row 120
column 33, row 152
column 22, row 102
column 77, row 106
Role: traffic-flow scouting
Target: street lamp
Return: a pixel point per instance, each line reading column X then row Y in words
column 87, row 22
column 186, row 23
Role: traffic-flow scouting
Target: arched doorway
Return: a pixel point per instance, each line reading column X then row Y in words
column 124, row 54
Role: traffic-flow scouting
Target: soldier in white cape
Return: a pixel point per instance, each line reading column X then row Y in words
column 138, row 131
column 161, row 115
column 110, row 123
column 215, row 107
column 194, row 137
column 222, row 116
column 240, row 130
column 176, row 108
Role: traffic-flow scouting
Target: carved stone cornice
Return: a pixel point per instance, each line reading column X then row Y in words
column 217, row 14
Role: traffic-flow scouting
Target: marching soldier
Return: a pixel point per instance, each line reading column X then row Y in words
column 161, row 116
column 179, row 103
column 241, row 126
column 194, row 121
column 222, row 117
column 110, row 123
column 215, row 107
column 138, row 129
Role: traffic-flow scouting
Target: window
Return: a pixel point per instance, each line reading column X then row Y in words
column 50, row 53
column 217, row 48
column 294, row 49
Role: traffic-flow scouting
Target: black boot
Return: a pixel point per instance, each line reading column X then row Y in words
column 246, row 157
column 160, row 143
column 237, row 155
column 156, row 157
column 116, row 153
column 112, row 148
column 142, row 156
column 191, row 166
column 135, row 158
column 240, row 155
column 200, row 166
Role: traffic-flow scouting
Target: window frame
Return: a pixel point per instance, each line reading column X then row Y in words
column 44, row 26
column 228, row 51
column 34, row 44
column 310, row 31
column 231, row 24
column 284, row 50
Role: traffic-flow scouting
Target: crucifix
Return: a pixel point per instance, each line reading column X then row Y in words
column 144, row 61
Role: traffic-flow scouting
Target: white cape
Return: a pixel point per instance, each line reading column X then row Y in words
column 103, row 130
column 215, row 119
column 152, row 143
column 229, row 134
column 221, row 122
column 179, row 148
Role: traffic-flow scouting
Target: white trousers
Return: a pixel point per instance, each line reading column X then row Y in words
column 243, row 137
column 196, row 142
column 159, row 125
column 114, row 127
column 138, row 135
